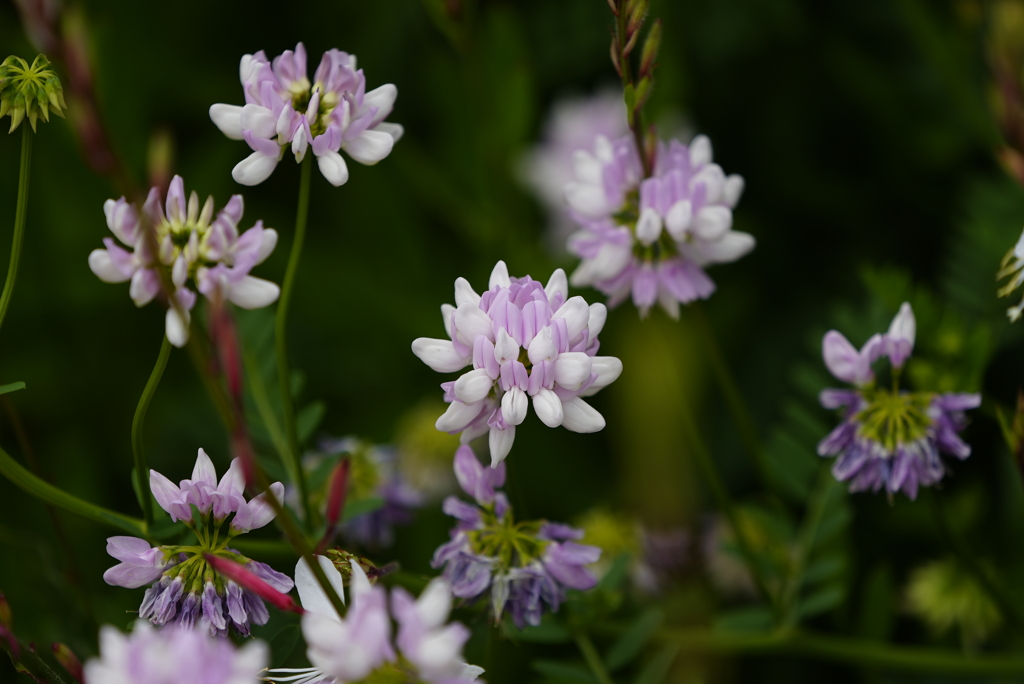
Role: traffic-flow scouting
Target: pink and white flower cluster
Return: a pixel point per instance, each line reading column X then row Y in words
column 195, row 246
column 651, row 238
column 353, row 647
column 525, row 341
column 283, row 111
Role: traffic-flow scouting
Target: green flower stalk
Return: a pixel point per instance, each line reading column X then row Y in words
column 29, row 91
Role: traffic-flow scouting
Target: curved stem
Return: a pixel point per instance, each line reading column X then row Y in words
column 733, row 397
column 137, row 442
column 293, row 463
column 19, row 220
column 592, row 657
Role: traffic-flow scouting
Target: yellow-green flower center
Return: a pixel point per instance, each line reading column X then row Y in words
column 33, row 91
column 895, row 418
column 514, row 545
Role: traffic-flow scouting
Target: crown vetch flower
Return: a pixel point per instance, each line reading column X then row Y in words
column 889, row 439
column 284, row 111
column 171, row 656
column 359, row 645
column 194, row 245
column 1012, row 267
column 525, row 341
column 652, row 237
column 33, row 91
column 526, row 566
column 186, row 590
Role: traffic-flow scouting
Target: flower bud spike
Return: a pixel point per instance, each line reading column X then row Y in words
column 335, row 502
column 650, row 50
column 247, row 580
column 69, row 661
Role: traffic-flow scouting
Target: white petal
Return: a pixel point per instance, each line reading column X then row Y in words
column 440, row 355
column 576, row 314
column 712, row 222
column 609, row 262
column 557, row 284
column 228, row 118
column 434, row 603
column 464, row 292
column 253, row 293
column 311, row 594
column 470, row 321
column 587, row 199
column 542, row 347
column 254, row 169
column 587, row 168
column 713, row 179
column 678, row 219
column 383, row 98
column 700, row 151
column 514, row 404
column 268, row 245
column 505, row 348
column 333, row 167
column 731, row 247
column 370, row 147
column 648, row 226
column 904, row 325
column 203, row 471
column 103, row 267
column 473, row 386
column 581, row 416
column 607, row 368
column 500, row 443
column 177, row 329
column 457, row 416
column 548, row 407
column 396, row 131
column 572, row 369
column 260, row 120
column 598, row 316
column 499, row 276
column 446, row 315
column 733, row 190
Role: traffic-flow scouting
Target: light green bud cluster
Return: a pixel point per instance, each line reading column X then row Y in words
column 29, row 91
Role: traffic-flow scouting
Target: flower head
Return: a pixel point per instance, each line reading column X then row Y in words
column 1012, row 267
column 524, row 566
column 196, row 246
column 185, row 589
column 359, row 645
column 650, row 238
column 171, row 656
column 889, row 438
column 32, row 91
column 284, row 111
column 525, row 341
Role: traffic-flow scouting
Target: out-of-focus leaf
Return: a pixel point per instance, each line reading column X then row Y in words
column 634, row 639
column 821, row 601
column 616, row 573
column 656, row 670
column 354, row 508
column 549, row 631
column 820, row 585
column 877, row 613
column 11, row 387
column 563, row 672
column 757, row 619
column 309, row 419
column 283, row 644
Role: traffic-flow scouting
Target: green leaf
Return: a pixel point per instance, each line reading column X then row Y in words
column 309, row 419
column 757, row 619
column 564, row 672
column 549, row 631
column 283, row 644
column 634, row 639
column 616, row 573
column 656, row 670
column 11, row 387
column 877, row 604
column 824, row 600
column 354, row 508
column 825, row 568
column 45, row 491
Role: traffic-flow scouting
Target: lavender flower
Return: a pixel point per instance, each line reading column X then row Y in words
column 652, row 237
column 889, row 439
column 524, row 341
column 359, row 645
column 527, row 566
column 185, row 590
column 572, row 125
column 172, row 656
column 284, row 111
column 194, row 245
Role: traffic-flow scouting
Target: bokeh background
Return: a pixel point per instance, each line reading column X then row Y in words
column 866, row 135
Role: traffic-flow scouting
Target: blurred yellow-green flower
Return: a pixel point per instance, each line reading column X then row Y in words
column 943, row 594
column 32, row 91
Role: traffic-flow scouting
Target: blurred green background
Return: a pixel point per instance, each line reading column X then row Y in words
column 865, row 135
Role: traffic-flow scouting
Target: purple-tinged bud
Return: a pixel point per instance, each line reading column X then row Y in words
column 69, row 661
column 899, row 341
column 248, row 580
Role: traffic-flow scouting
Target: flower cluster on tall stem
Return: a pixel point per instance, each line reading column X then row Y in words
column 283, row 111
column 196, row 246
column 186, row 590
column 523, row 567
column 359, row 645
column 525, row 341
column 889, row 439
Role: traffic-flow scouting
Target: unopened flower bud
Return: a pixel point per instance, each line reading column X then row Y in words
column 32, row 91
column 69, row 661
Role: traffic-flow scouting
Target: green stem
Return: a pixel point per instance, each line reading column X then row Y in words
column 970, row 562
column 727, row 505
column 258, row 389
column 141, row 471
column 860, row 653
column 19, row 220
column 280, row 334
column 733, row 398
column 592, row 657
